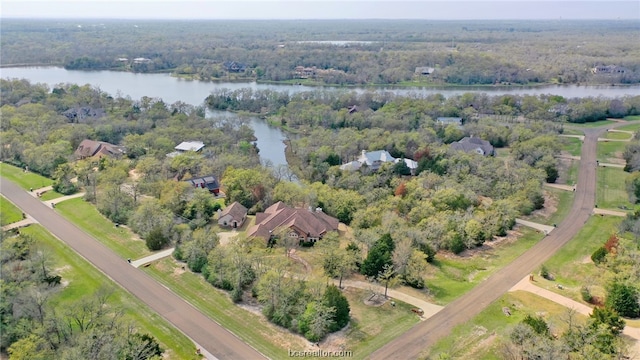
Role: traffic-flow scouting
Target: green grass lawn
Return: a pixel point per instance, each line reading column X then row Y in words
column 571, row 265
column 9, row 213
column 455, row 275
column 374, row 326
column 561, row 200
column 631, row 127
column 593, row 124
column 572, row 131
column 480, row 338
column 571, row 145
column 83, row 279
column 617, row 135
column 608, row 150
column 632, row 118
column 26, row 180
column 50, row 195
column 119, row 239
column 610, row 188
column 572, row 172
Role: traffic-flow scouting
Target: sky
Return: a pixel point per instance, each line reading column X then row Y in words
column 321, row 9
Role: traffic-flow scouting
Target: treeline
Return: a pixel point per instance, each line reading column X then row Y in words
column 373, row 52
column 34, row 326
column 342, row 109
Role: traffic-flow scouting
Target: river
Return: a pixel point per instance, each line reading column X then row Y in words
column 171, row 89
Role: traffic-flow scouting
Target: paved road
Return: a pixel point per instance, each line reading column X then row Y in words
column 204, row 331
column 411, row 344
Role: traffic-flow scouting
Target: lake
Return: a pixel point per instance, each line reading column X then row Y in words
column 171, row 89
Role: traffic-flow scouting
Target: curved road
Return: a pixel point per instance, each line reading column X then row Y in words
column 411, row 344
column 196, row 325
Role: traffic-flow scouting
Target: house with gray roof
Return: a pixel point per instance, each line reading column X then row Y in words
column 476, row 145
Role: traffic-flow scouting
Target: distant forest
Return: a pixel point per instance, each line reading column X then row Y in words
column 337, row 52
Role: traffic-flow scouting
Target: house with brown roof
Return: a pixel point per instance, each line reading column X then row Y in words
column 232, row 216
column 306, row 225
column 98, row 149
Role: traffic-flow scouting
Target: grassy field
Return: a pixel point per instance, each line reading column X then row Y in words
column 571, row 265
column 50, row 195
column 84, row 279
column 632, row 118
column 26, row 180
column 561, row 200
column 9, row 213
column 374, row 326
column 610, row 188
column 480, row 338
column 594, row 124
column 455, row 275
column 119, row 239
column 573, row 146
column 572, row 131
column 617, row 135
column 608, row 150
column 631, row 127
column 572, row 172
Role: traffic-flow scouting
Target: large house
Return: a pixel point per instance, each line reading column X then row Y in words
column 474, row 144
column 97, row 149
column 186, row 146
column 306, row 225
column 205, row 182
column 374, row 159
column 233, row 215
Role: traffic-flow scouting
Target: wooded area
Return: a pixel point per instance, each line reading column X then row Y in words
column 338, row 52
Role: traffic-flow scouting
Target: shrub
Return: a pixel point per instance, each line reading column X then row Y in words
column 586, row 294
column 544, row 272
column 537, row 324
column 156, row 239
column 599, row 255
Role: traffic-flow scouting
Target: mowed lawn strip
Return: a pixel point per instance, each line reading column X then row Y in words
column 119, row 239
column 481, row 337
column 27, row 180
column 9, row 213
column 614, row 135
column 609, row 151
column 83, row 280
column 611, row 188
column 563, row 201
column 573, row 146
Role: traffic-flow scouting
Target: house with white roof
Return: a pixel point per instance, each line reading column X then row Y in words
column 186, row 146
column 375, row 159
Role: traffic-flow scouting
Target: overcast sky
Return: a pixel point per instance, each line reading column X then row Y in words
column 321, row 9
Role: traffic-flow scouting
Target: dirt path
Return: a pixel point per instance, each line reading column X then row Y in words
column 546, row 229
column 428, row 308
column 609, row 212
column 561, row 186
